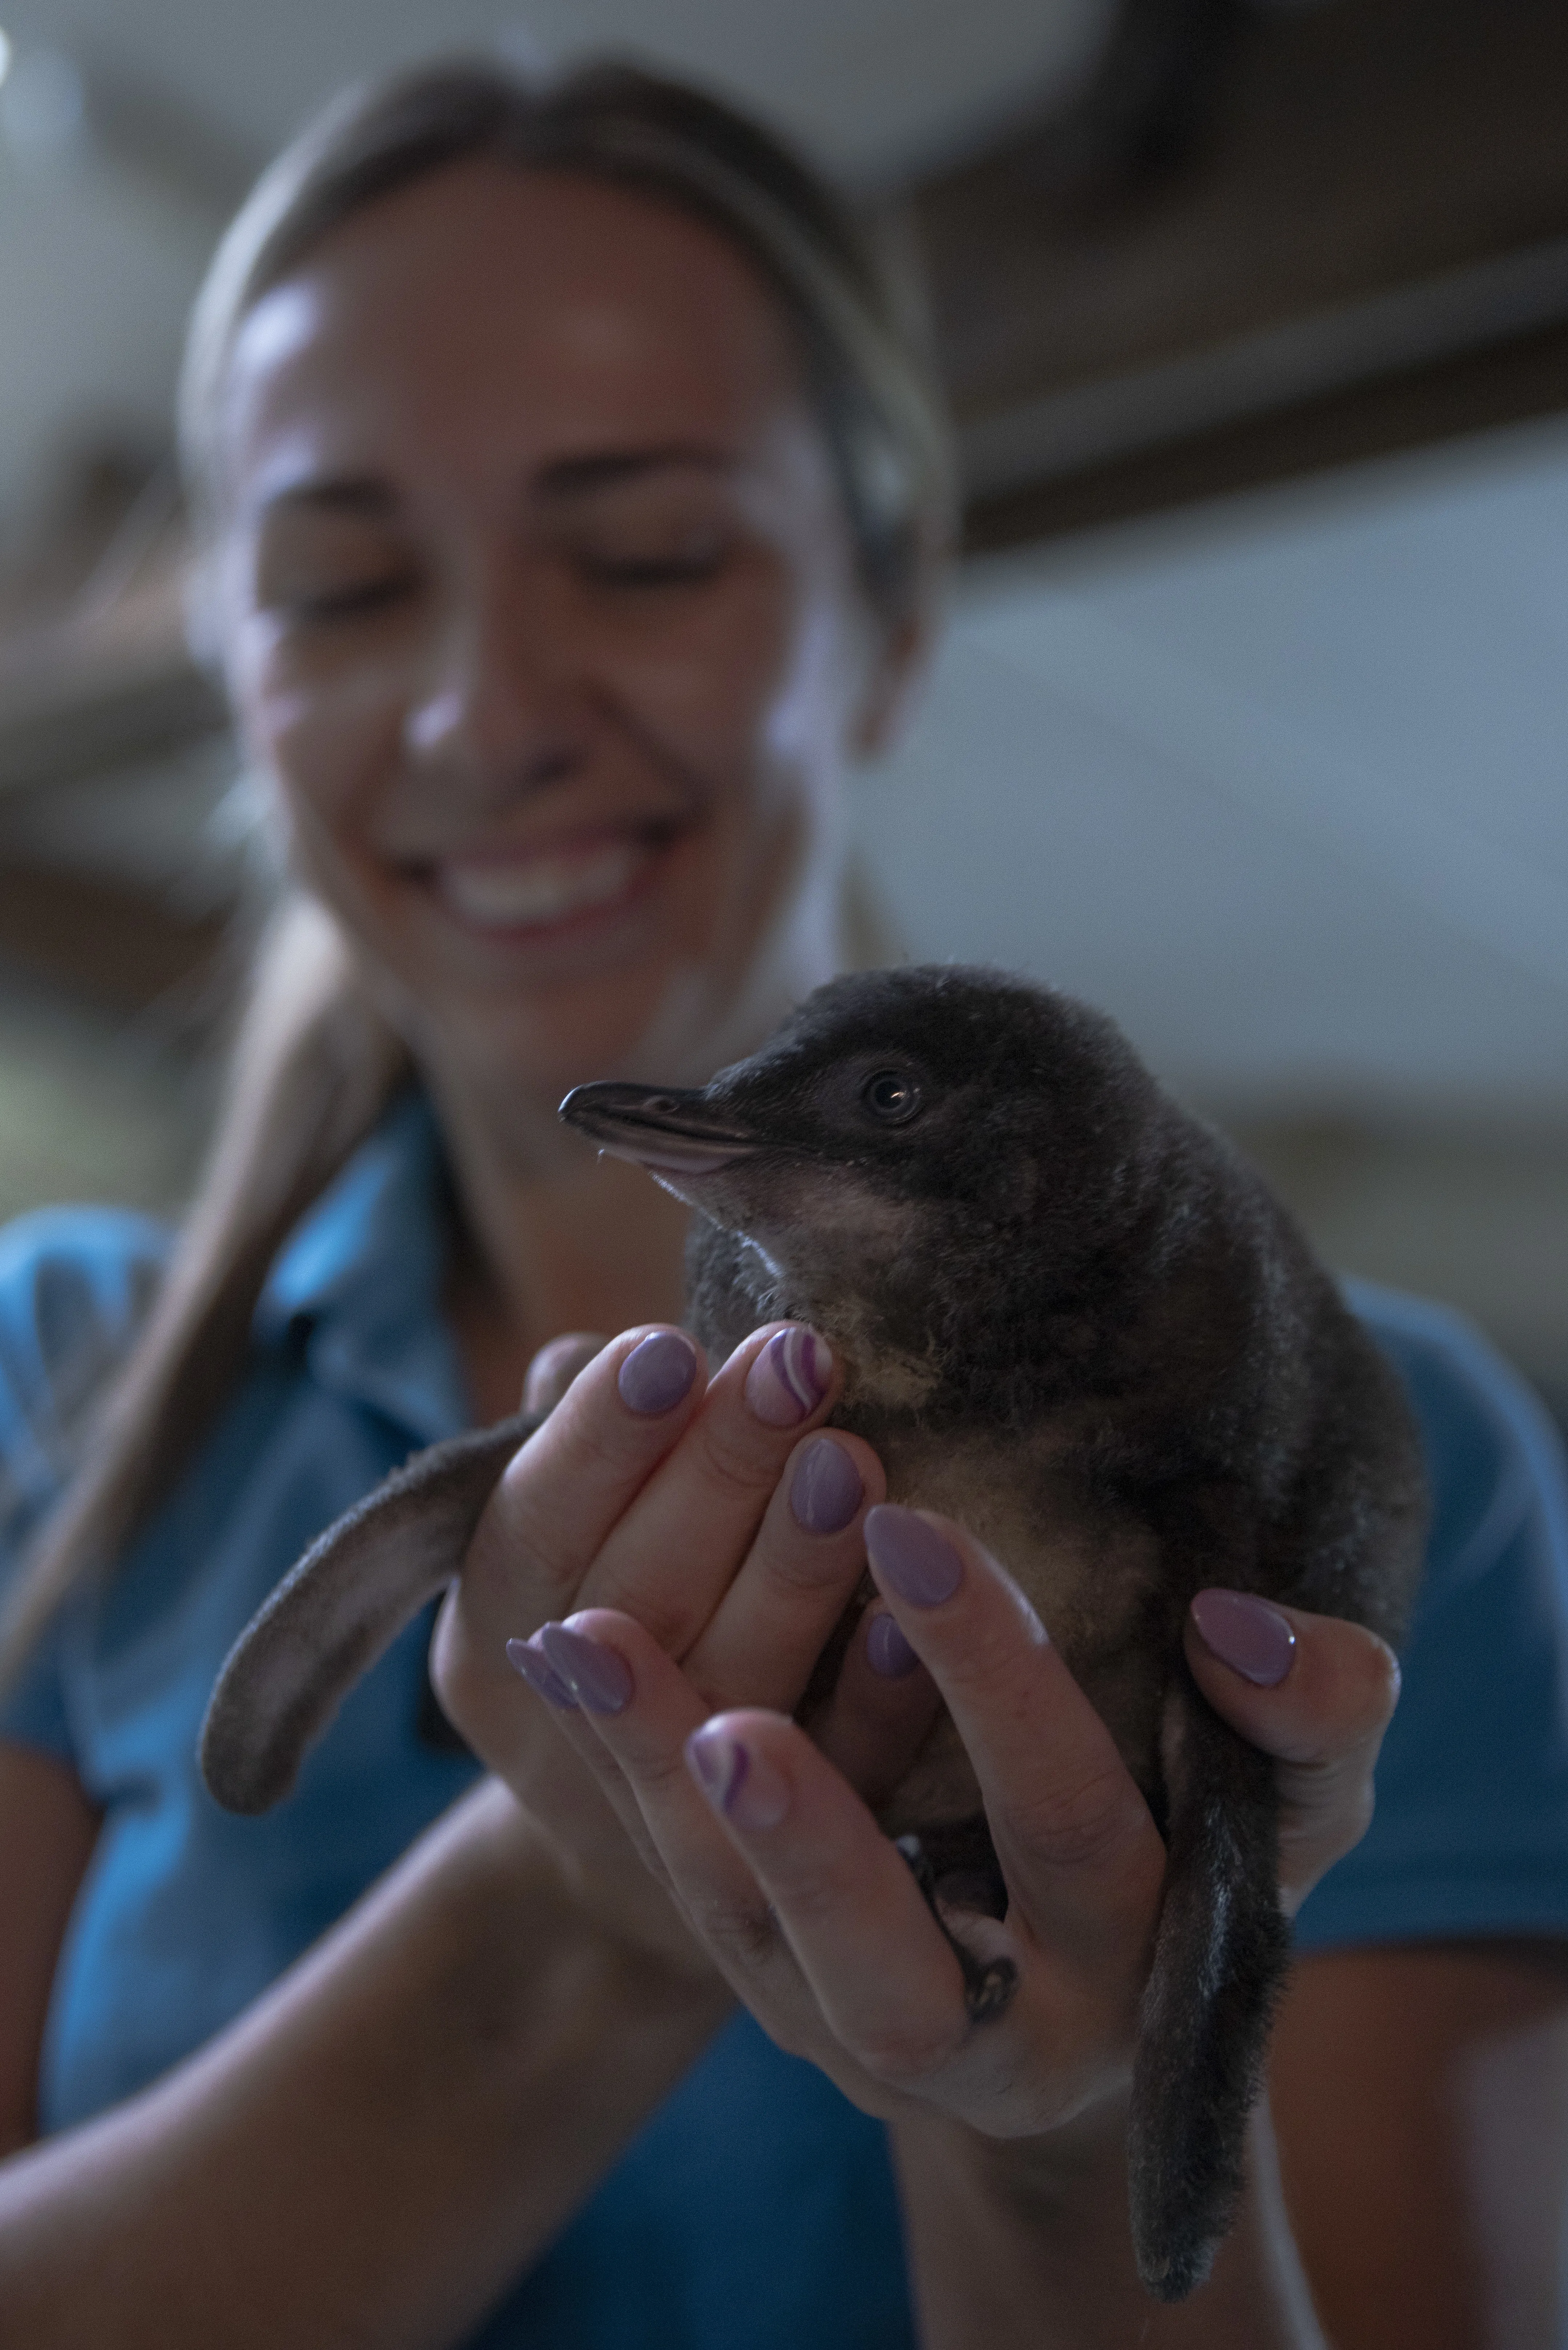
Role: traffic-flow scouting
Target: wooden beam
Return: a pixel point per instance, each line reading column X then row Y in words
column 1365, row 245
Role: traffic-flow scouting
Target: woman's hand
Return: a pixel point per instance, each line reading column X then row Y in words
column 709, row 1513
column 699, row 1602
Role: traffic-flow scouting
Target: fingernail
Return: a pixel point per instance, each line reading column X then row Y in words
column 596, row 1677
column 524, row 1658
column 921, row 1564
column 1253, row 1639
column 887, row 1652
column 789, row 1378
column 736, row 1782
column 826, row 1490
column 657, row 1373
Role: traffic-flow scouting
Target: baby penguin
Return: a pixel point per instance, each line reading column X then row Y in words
column 1069, row 1316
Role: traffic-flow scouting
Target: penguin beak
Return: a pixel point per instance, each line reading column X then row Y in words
column 673, row 1135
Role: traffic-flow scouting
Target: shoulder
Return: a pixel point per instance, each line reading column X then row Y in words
column 1494, row 1459
column 74, row 1286
column 1471, row 1831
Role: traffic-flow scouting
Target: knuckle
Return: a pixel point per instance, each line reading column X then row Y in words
column 521, row 1546
column 906, row 2052
column 1079, row 1821
column 668, row 1619
column 742, row 1935
column 796, row 1571
column 736, row 1457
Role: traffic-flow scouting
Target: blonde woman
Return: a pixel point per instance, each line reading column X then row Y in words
column 571, row 495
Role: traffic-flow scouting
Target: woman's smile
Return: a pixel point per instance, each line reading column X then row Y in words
column 543, row 891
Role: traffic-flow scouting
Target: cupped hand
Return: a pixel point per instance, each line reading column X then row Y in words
column 666, row 1580
column 815, row 1920
column 713, row 1513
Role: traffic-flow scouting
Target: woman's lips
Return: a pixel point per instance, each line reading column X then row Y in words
column 541, row 891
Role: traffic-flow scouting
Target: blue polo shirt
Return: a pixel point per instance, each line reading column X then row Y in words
column 757, row 2204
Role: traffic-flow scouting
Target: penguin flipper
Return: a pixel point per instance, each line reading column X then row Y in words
column 1221, row 1953
column 340, row 1608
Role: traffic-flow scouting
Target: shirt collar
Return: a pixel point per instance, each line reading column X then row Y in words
column 362, row 1274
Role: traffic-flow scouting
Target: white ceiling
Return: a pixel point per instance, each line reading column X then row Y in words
column 1282, row 784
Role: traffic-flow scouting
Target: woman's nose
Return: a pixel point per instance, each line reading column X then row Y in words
column 496, row 705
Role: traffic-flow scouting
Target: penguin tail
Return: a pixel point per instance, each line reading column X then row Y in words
column 1221, row 1953
column 339, row 1609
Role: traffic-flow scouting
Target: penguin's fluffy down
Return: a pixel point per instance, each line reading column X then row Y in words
column 1070, row 1315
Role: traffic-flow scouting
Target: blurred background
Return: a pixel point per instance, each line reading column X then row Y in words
column 1252, row 719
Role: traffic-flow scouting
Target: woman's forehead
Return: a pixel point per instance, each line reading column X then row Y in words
column 496, row 310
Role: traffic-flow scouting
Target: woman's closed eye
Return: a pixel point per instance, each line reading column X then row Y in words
column 344, row 599
column 638, row 559
column 326, row 569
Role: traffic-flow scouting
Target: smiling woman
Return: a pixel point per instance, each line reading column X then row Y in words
column 571, row 489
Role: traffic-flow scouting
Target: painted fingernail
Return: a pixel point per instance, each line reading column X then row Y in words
column 826, row 1490
column 789, row 1378
column 887, row 1650
column 1253, row 1639
column 524, row 1658
column 921, row 1564
column 737, row 1783
column 658, row 1373
column 596, row 1677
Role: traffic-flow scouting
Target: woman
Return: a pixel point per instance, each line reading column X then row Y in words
column 571, row 502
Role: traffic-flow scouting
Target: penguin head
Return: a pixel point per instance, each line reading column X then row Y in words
column 917, row 1152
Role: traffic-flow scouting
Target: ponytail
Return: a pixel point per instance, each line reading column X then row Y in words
column 312, row 1067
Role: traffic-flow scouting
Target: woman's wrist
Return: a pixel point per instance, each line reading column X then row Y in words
column 1027, row 2242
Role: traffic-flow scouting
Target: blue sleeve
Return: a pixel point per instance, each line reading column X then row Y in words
column 1471, row 1831
column 74, row 1283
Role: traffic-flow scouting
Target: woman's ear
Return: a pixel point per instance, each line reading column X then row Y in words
column 894, row 674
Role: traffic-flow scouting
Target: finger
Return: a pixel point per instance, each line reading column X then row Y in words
column 576, row 1476
column 555, row 1367
column 669, row 1561
column 602, row 1681
column 716, row 1791
column 881, row 1711
column 886, row 1978
column 1316, row 1692
column 573, row 1784
column 1072, row 1833
column 771, row 1625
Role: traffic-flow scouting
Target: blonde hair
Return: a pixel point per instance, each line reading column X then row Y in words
column 314, row 1064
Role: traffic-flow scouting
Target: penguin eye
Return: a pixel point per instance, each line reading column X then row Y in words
column 892, row 1097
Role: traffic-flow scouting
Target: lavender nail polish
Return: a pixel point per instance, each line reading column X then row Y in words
column 1253, row 1639
column 719, row 1764
column 526, row 1659
column 887, row 1652
column 789, row 1378
column 921, row 1564
column 596, row 1677
column 742, row 1785
column 657, row 1373
column 825, row 1490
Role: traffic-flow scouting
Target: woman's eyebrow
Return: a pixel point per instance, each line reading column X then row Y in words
column 571, row 477
column 350, row 493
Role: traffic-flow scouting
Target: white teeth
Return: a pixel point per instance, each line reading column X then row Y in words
column 528, row 894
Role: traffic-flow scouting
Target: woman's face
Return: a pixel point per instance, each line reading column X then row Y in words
column 538, row 604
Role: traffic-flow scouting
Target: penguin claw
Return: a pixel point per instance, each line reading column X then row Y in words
column 988, row 1983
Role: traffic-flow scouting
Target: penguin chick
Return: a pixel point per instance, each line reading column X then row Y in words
column 1073, row 1318
column 1069, row 1316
